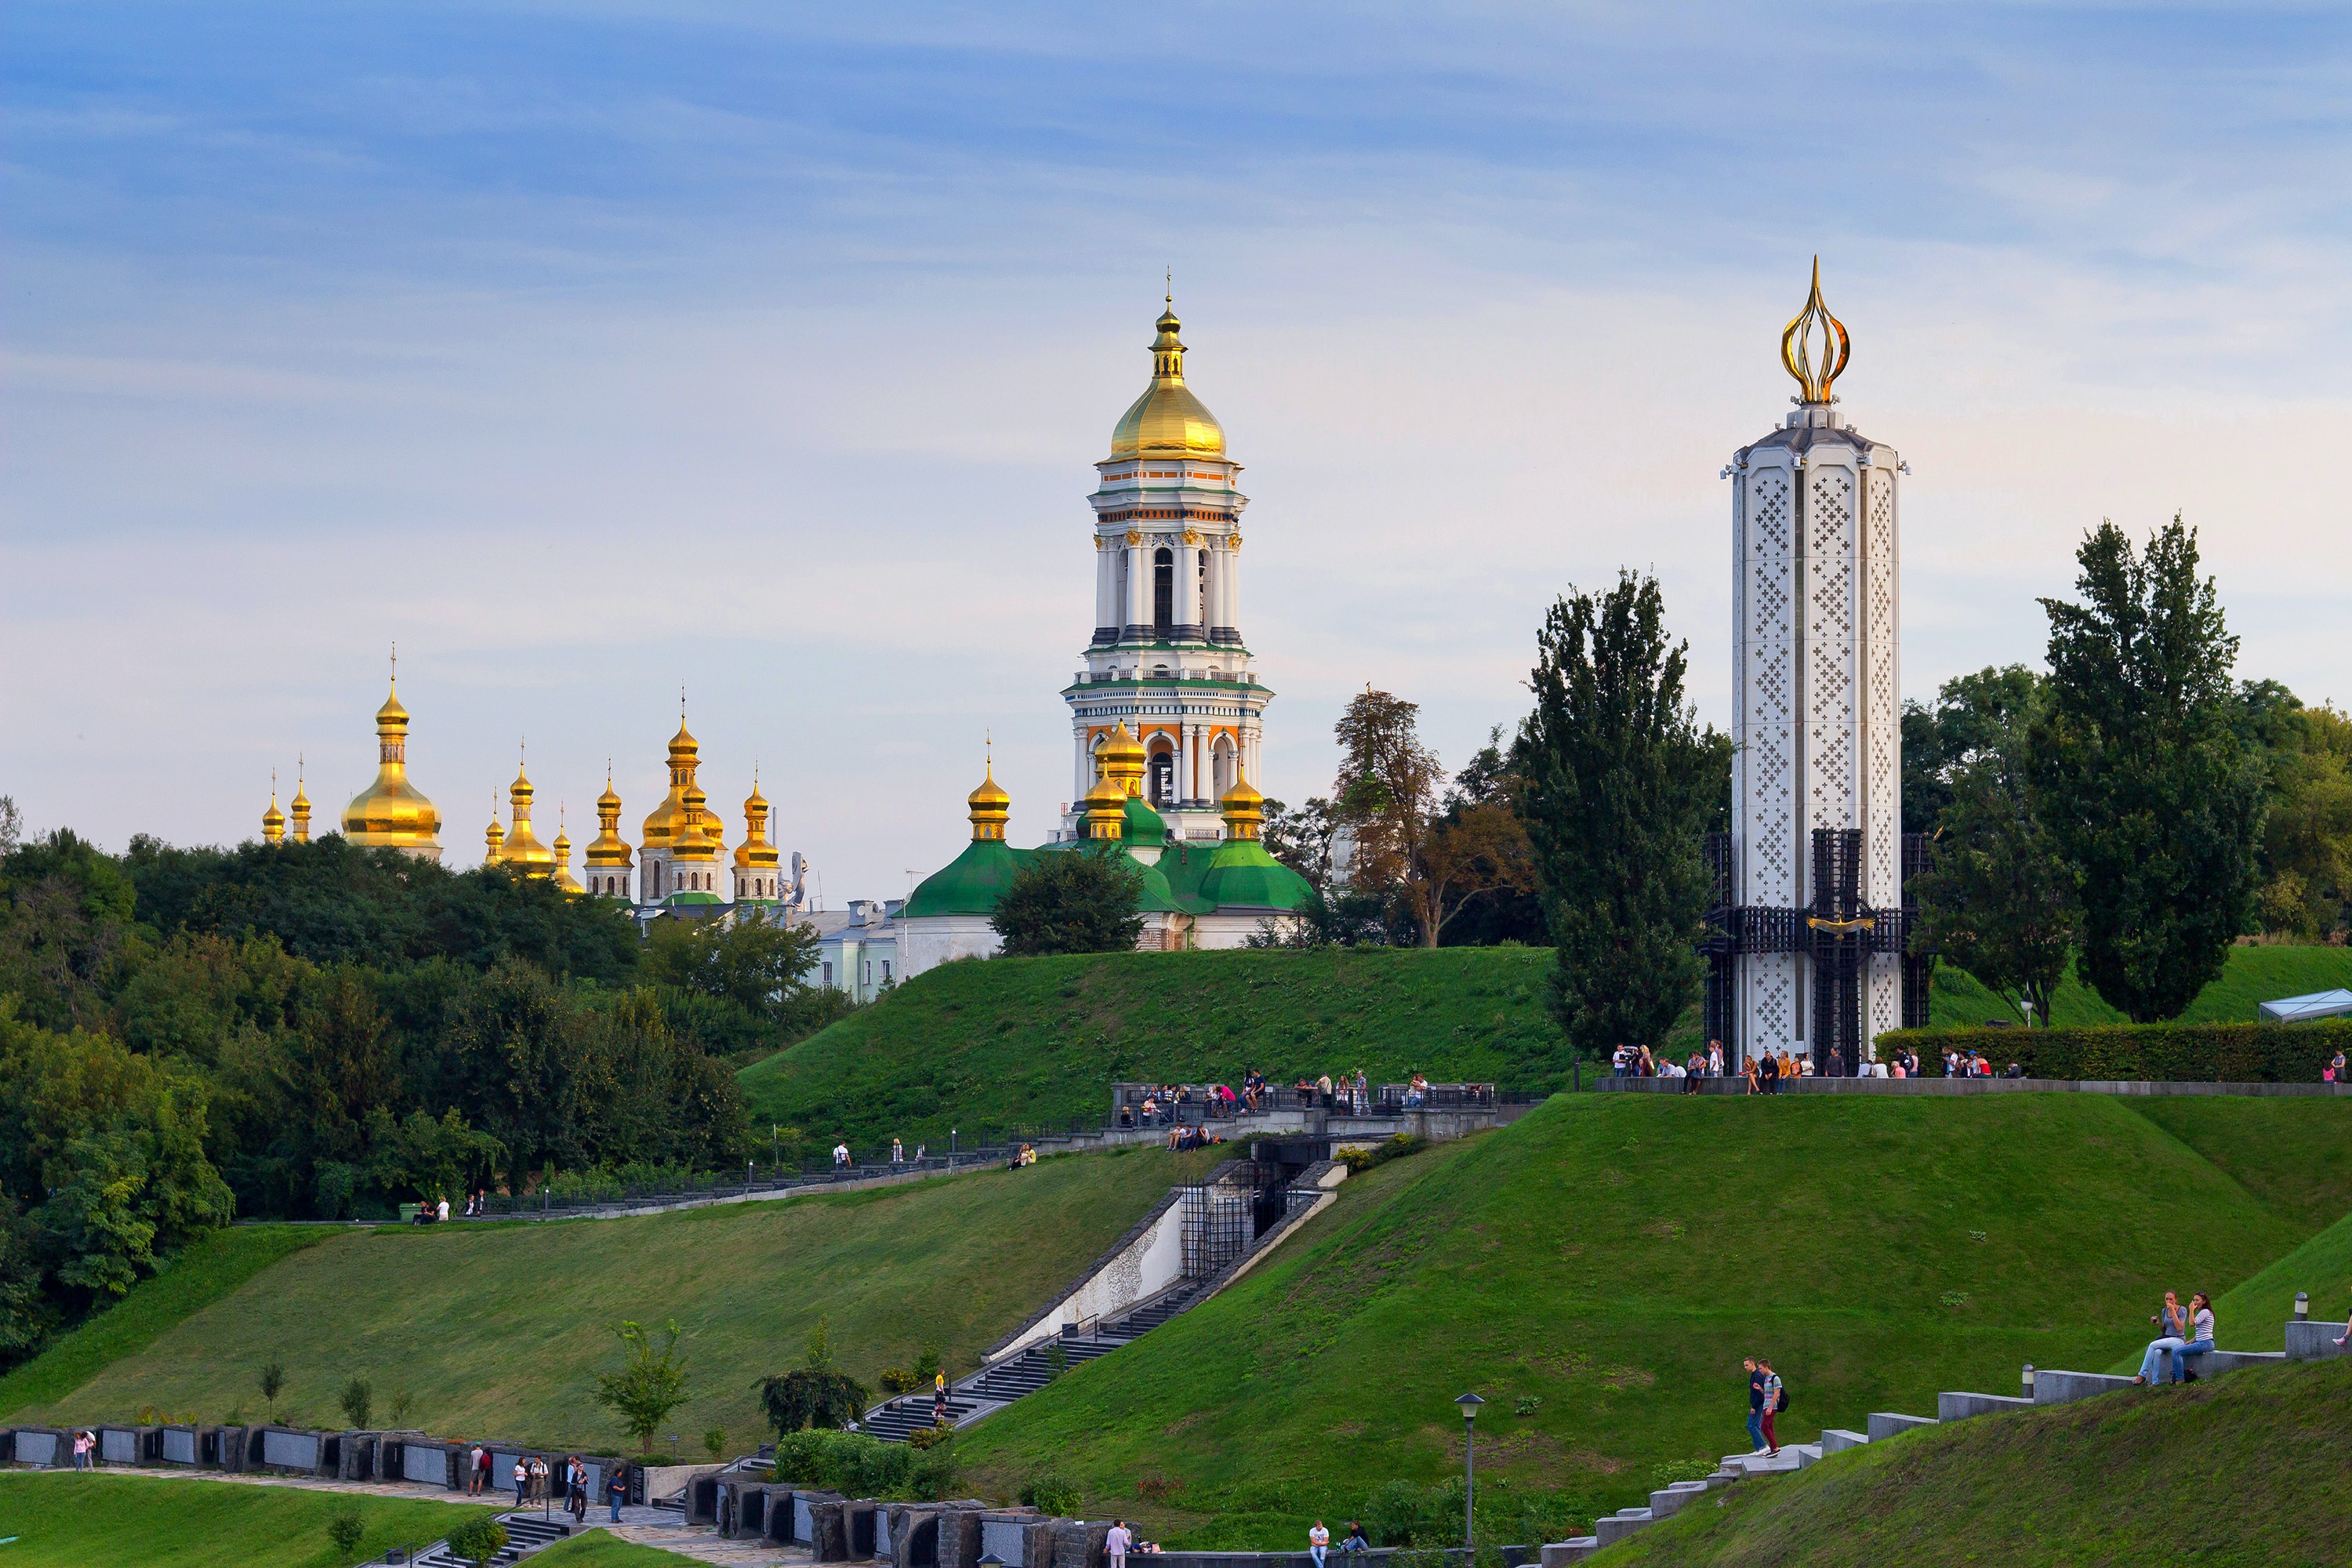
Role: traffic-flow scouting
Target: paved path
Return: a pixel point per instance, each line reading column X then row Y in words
column 659, row 1527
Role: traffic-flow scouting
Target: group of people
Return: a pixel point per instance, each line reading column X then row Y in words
column 1766, row 1397
column 1766, row 1070
column 2181, row 1332
column 532, row 1477
column 1191, row 1135
column 85, row 1449
column 898, row 1153
column 1123, row 1539
column 1319, row 1541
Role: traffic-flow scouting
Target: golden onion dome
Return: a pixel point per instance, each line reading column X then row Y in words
column 273, row 821
column 608, row 851
column 1242, row 806
column 694, row 840
column 1168, row 420
column 493, row 838
column 1122, row 760
column 668, row 821
column 524, row 853
column 756, row 853
column 991, row 808
column 1106, row 808
column 391, row 813
column 298, row 811
column 562, row 847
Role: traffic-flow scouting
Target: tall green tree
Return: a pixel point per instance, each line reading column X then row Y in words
column 2000, row 899
column 1620, row 784
column 1972, row 714
column 760, row 965
column 2140, row 772
column 1088, row 900
column 651, row 1384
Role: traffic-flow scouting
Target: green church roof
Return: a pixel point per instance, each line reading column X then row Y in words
column 970, row 884
column 1144, row 825
column 1241, row 874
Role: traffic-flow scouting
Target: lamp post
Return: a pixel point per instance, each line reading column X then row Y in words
column 1470, row 1403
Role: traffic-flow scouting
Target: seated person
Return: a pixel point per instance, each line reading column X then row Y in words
column 2172, row 1322
column 2198, row 1337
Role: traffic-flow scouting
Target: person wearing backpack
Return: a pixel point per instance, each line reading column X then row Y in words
column 1755, row 1407
column 1776, row 1400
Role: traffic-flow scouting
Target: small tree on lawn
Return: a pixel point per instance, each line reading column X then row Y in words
column 273, row 1383
column 1072, row 900
column 813, row 1395
column 642, row 1394
column 478, row 1541
column 346, row 1532
column 358, row 1402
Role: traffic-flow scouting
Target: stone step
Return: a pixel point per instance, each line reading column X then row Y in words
column 1837, row 1439
column 1575, row 1549
column 1608, row 1531
column 1966, row 1406
column 1807, row 1453
column 1884, row 1423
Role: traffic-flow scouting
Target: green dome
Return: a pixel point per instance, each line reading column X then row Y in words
column 970, row 884
column 1144, row 826
column 1243, row 875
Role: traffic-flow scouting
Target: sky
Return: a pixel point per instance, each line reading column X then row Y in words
column 595, row 353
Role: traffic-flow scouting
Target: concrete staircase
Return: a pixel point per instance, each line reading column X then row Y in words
column 995, row 1386
column 2305, row 1342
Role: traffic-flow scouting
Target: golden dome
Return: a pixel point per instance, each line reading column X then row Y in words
column 273, row 821
column 991, row 806
column 390, row 814
column 493, row 837
column 1121, row 760
column 1243, row 807
column 694, row 840
column 562, row 849
column 757, row 855
column 1168, row 420
column 297, row 811
column 608, row 851
column 668, row 822
column 524, row 854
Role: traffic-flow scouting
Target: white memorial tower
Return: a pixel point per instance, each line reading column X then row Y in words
column 1808, row 932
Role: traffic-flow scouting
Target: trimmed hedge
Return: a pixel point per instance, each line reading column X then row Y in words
column 2165, row 1053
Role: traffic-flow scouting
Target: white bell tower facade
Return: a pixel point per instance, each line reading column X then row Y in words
column 1166, row 658
column 1806, row 937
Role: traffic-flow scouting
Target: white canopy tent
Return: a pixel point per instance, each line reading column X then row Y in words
column 2296, row 1009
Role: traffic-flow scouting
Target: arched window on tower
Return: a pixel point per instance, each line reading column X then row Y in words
column 1163, row 778
column 1163, row 591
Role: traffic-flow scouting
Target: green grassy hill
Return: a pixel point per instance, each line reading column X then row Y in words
column 497, row 1330
column 2253, row 976
column 2246, row 1471
column 1042, row 1039
column 66, row 1520
column 1597, row 1270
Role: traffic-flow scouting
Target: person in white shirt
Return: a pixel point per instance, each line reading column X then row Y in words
column 445, row 1209
column 1319, row 1541
column 1116, row 1543
column 2199, row 1337
column 841, row 1156
column 1714, row 1059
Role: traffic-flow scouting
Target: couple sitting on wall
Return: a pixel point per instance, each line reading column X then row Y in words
column 2185, row 1334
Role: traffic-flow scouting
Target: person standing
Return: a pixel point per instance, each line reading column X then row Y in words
column 1116, row 1543
column 575, row 1488
column 1318, row 1542
column 80, row 1450
column 1773, row 1396
column 1714, row 1059
column 477, row 1466
column 521, row 1482
column 616, row 1491
column 841, row 1156
column 1755, row 1407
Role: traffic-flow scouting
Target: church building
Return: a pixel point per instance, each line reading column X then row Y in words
column 1166, row 716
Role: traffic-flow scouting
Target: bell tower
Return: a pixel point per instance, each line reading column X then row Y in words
column 1806, row 940
column 1166, row 658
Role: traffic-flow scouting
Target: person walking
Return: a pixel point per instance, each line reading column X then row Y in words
column 616, row 1490
column 1775, row 1397
column 2172, row 1322
column 841, row 1156
column 1116, row 1543
column 1755, row 1407
column 1318, row 1542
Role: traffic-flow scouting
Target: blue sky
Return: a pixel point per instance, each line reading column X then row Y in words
column 593, row 351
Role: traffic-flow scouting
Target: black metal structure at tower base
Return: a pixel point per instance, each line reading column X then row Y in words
column 1836, row 930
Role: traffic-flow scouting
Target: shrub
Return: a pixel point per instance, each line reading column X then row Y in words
column 345, row 1530
column 1056, row 1495
column 898, row 1380
column 358, row 1402
column 2176, row 1052
column 1396, row 1147
column 923, row 1437
column 478, row 1541
column 853, row 1463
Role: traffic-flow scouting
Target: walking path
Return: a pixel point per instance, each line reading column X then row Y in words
column 662, row 1527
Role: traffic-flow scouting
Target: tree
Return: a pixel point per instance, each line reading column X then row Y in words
column 1510, row 909
column 1386, row 794
column 1972, row 714
column 1086, row 899
column 2305, row 859
column 641, row 1394
column 2000, row 899
column 760, row 965
column 478, row 1541
column 272, row 1379
column 2140, row 774
column 358, row 1402
column 1302, row 839
column 1621, row 785
column 813, row 1394
column 346, row 1531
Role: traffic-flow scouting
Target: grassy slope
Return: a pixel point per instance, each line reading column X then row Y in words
column 2293, row 1155
column 2248, row 1315
column 1042, row 1039
column 1614, row 1257
column 498, row 1330
column 213, row 1267
column 596, row 1549
column 2253, row 976
column 137, row 1521
column 2245, row 1472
